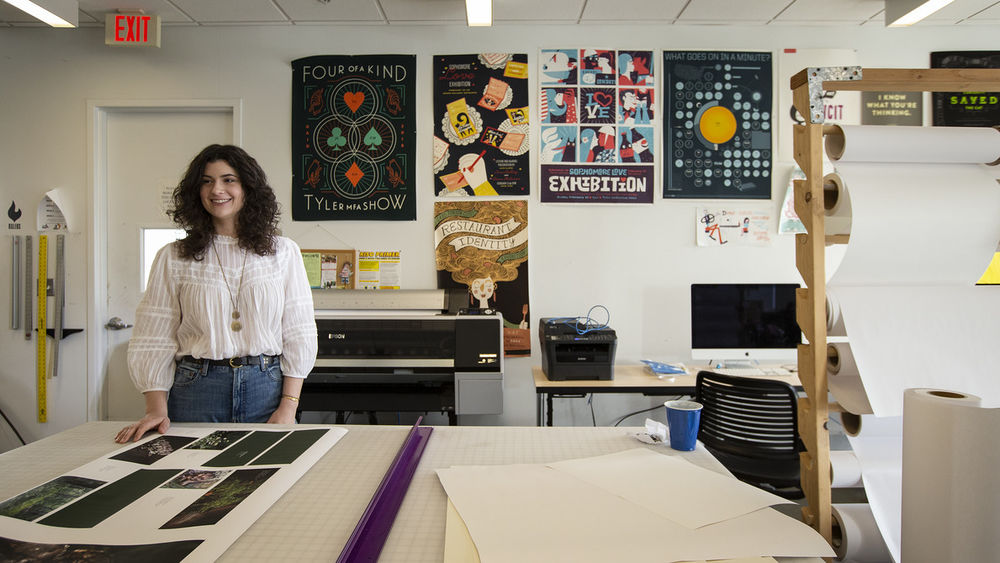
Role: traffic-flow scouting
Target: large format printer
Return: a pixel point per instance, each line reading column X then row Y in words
column 404, row 350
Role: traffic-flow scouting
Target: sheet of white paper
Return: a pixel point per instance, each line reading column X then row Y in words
column 536, row 513
column 670, row 486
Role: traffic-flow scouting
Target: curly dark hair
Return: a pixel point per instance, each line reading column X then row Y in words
column 257, row 221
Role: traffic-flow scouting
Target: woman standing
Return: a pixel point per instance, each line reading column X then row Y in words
column 225, row 331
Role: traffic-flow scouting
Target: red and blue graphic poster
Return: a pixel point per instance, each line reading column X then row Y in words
column 353, row 138
column 717, row 124
column 481, row 127
column 482, row 245
column 597, row 112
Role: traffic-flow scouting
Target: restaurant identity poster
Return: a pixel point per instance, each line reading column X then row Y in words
column 717, row 131
column 597, row 109
column 482, row 245
column 481, row 125
column 353, row 138
column 966, row 109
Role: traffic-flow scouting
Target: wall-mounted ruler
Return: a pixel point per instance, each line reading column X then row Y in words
column 40, row 368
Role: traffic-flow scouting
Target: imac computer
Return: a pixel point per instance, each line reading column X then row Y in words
column 741, row 323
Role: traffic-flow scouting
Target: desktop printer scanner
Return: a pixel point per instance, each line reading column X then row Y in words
column 576, row 351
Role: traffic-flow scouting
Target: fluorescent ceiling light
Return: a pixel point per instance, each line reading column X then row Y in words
column 901, row 13
column 57, row 13
column 479, row 12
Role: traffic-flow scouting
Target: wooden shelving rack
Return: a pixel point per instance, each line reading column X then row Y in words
column 807, row 87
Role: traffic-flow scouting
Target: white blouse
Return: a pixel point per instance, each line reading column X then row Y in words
column 187, row 311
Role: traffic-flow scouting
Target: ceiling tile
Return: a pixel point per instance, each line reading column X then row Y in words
column 958, row 11
column 727, row 11
column 425, row 11
column 167, row 12
column 316, row 11
column 824, row 12
column 554, row 11
column 251, row 11
column 635, row 10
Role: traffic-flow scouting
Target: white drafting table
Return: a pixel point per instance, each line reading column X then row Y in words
column 314, row 519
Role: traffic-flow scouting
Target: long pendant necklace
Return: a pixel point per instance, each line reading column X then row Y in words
column 236, row 325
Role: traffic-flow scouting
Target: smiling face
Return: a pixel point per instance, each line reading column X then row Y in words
column 222, row 196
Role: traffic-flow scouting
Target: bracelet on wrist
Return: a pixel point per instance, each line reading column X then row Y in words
column 291, row 398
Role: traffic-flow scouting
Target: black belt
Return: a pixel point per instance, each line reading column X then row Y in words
column 261, row 360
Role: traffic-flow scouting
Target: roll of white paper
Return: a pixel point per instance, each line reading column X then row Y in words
column 856, row 536
column 843, row 379
column 834, row 318
column 838, row 212
column 859, row 143
column 845, row 470
column 950, row 488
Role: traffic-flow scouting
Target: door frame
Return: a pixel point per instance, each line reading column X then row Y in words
column 98, row 113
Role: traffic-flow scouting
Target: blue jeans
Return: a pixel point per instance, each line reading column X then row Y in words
column 212, row 393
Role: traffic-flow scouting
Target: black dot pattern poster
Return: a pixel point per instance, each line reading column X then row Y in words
column 353, row 138
column 717, row 124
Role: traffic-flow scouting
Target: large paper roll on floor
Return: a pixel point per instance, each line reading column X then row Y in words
column 856, row 536
column 951, row 496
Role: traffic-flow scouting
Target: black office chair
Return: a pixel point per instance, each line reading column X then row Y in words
column 750, row 425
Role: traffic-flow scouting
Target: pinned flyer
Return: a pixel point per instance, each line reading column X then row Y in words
column 55, row 211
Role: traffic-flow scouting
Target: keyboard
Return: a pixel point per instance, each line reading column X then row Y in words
column 751, row 372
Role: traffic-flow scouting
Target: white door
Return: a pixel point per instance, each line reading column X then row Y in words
column 140, row 154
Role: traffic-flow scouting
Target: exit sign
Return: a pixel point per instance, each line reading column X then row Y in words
column 135, row 30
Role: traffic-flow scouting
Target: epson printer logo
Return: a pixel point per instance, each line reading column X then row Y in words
column 336, row 336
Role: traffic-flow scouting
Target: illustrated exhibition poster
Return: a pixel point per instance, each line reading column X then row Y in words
column 481, row 125
column 482, row 245
column 597, row 109
column 717, row 124
column 966, row 109
column 188, row 494
column 353, row 138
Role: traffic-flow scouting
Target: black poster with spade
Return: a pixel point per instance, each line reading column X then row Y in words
column 353, row 138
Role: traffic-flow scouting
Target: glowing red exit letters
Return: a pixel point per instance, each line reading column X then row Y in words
column 134, row 29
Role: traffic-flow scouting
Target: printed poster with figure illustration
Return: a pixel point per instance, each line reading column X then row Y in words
column 597, row 109
column 481, row 125
column 353, row 138
column 482, row 245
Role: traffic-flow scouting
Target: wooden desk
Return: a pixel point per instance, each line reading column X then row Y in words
column 315, row 518
column 627, row 379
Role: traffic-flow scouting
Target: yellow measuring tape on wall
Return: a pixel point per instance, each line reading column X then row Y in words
column 43, row 260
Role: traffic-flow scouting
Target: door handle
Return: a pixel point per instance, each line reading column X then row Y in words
column 117, row 324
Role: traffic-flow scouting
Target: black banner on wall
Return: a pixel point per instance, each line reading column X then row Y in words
column 966, row 109
column 353, row 138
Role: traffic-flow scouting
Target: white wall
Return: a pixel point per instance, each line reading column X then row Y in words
column 636, row 261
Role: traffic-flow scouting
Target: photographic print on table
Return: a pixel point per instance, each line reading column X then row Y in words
column 154, row 450
column 481, row 125
column 353, row 137
column 195, row 479
column 218, row 440
column 47, row 497
column 167, row 552
column 216, row 503
column 598, row 118
column 966, row 109
column 717, row 124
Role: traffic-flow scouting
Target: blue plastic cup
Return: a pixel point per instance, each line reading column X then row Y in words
column 683, row 418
